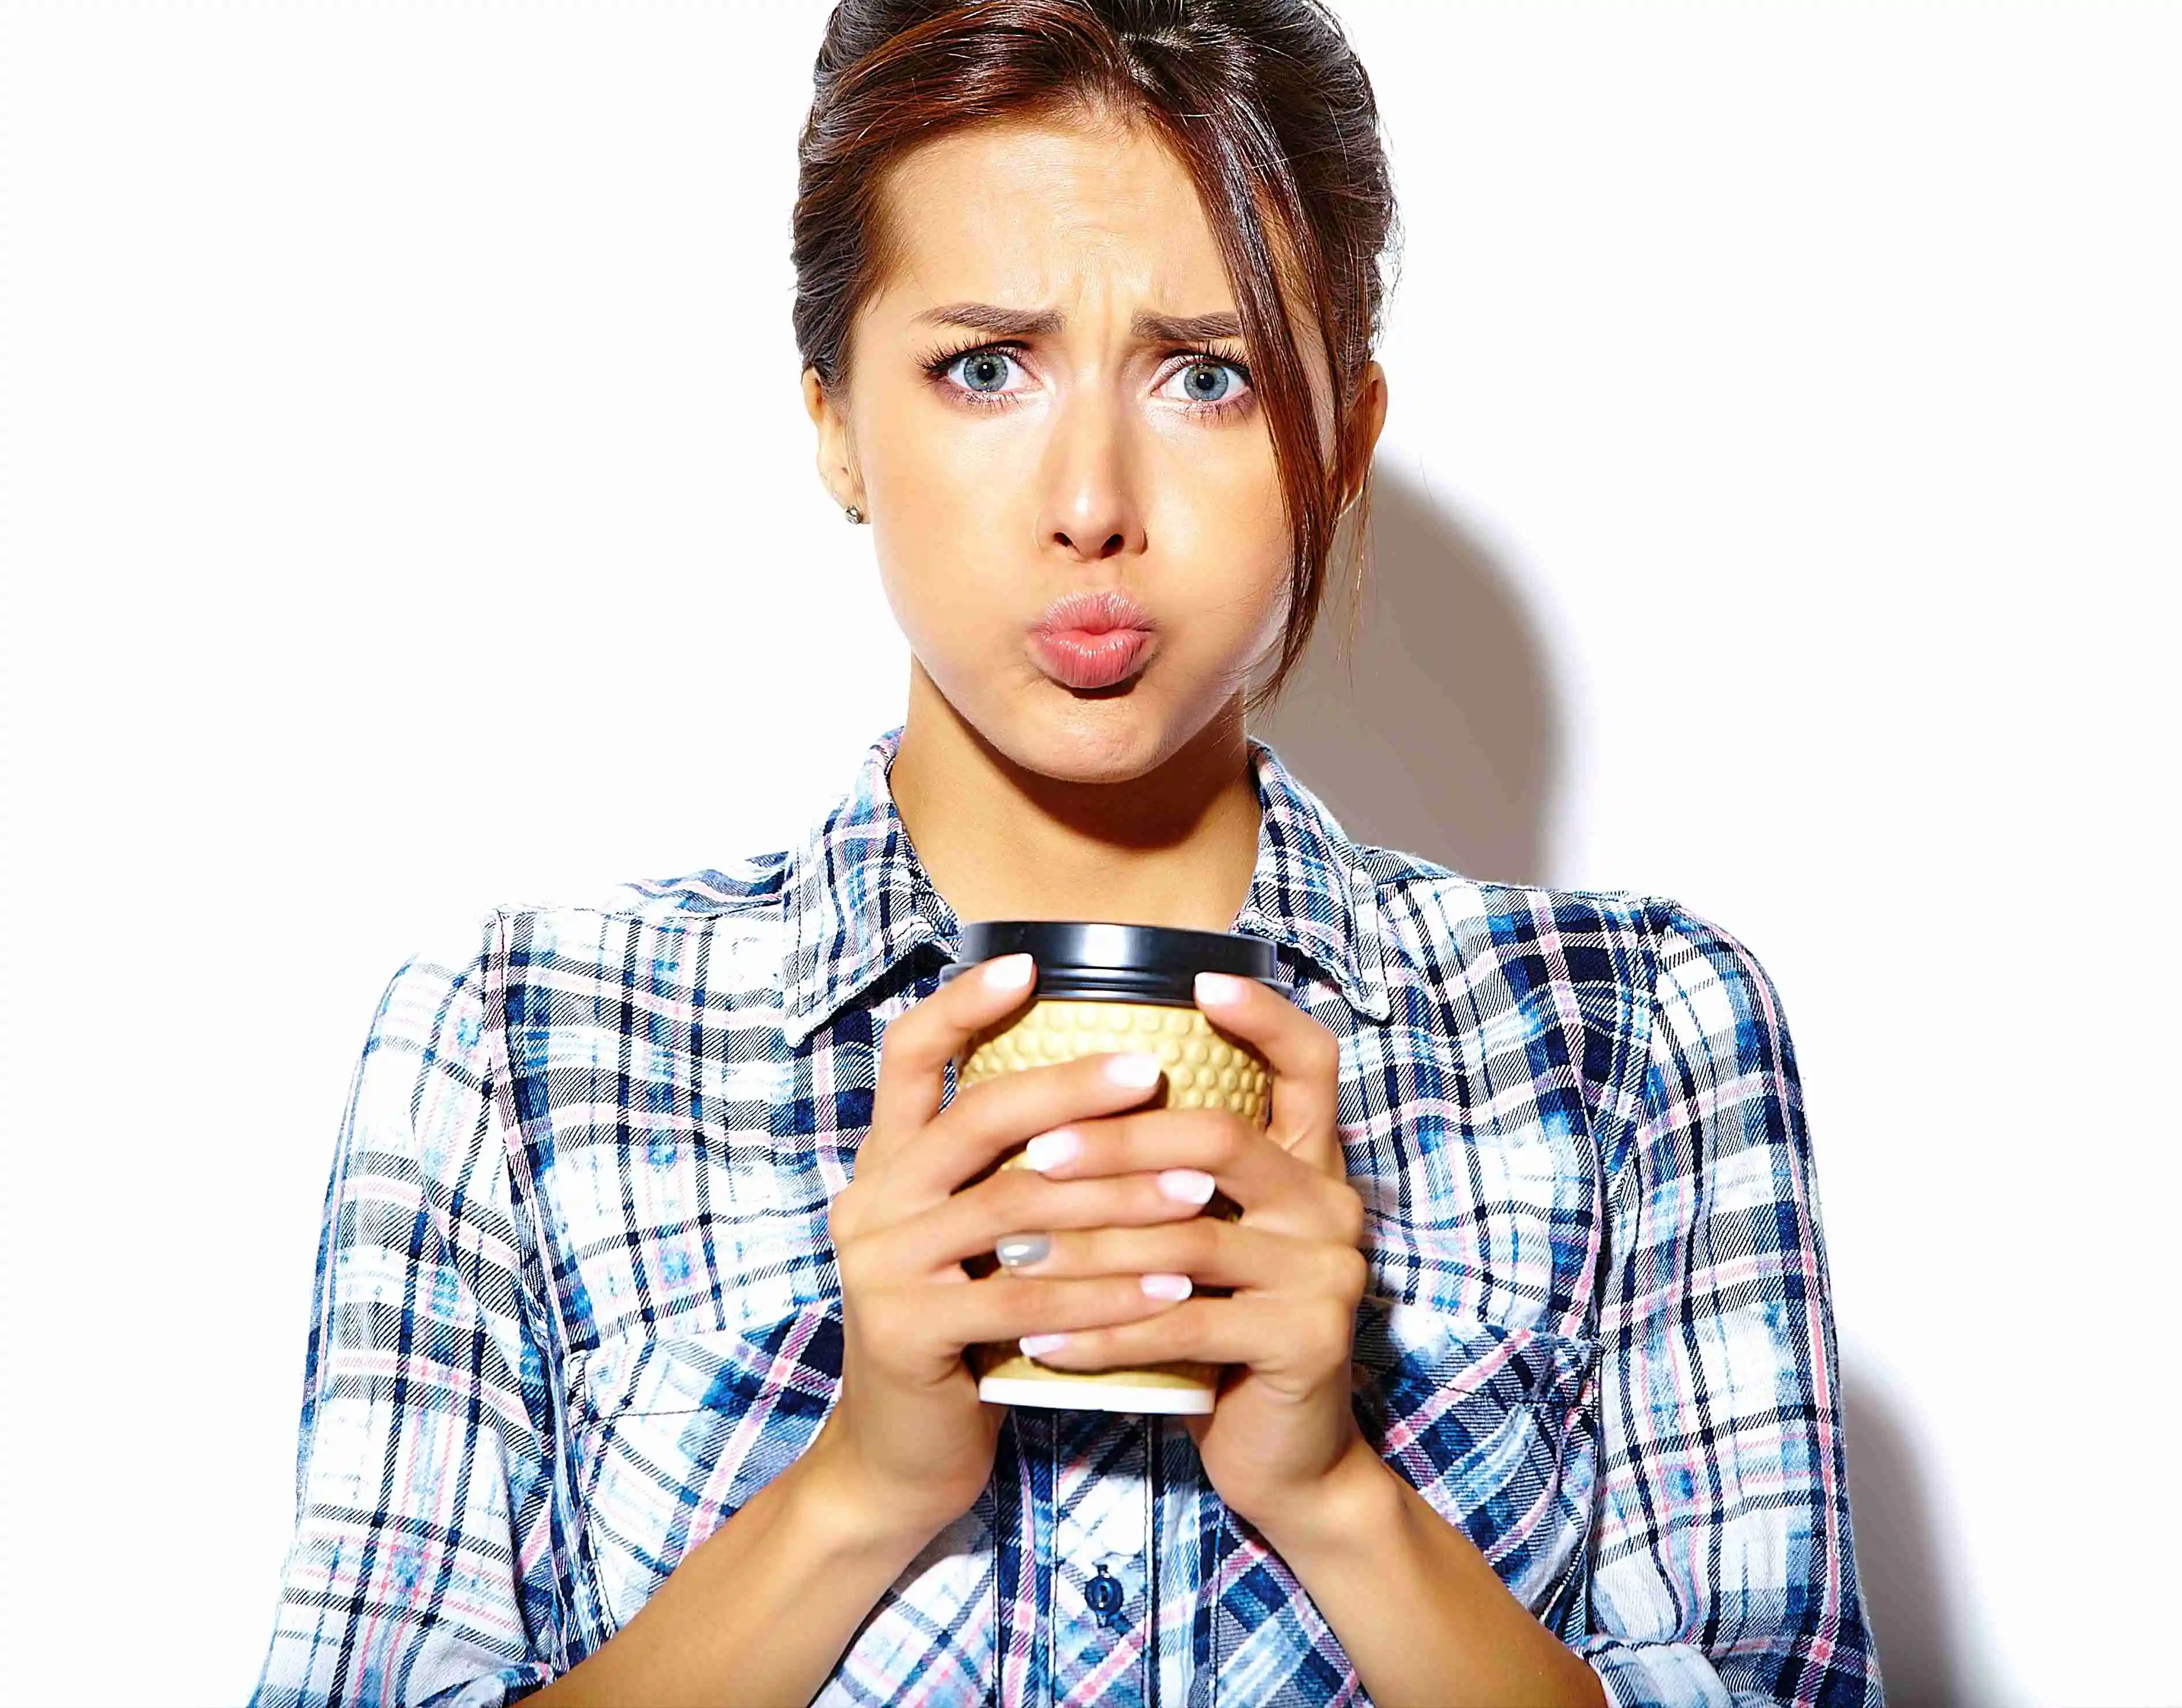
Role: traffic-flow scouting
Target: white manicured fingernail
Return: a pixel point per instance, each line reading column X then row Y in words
column 1048, row 1149
column 1009, row 973
column 1218, row 988
column 1164, row 1286
column 1186, row 1186
column 1033, row 1344
column 1133, row 1068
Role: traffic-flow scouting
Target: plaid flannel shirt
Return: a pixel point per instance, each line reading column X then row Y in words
column 575, row 1303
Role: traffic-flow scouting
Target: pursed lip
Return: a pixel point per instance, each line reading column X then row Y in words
column 1092, row 612
column 1078, row 659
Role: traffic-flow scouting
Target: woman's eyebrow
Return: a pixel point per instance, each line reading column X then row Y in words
column 1035, row 323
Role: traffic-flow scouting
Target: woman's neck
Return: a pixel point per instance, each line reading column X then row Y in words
column 1174, row 847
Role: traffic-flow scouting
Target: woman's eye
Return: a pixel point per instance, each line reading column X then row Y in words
column 1208, row 383
column 1211, row 384
column 984, row 371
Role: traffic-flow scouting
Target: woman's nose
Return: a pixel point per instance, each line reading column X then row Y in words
column 1091, row 502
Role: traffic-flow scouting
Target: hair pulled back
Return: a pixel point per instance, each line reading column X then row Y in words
column 1268, row 109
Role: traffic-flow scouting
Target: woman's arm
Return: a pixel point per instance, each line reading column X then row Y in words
column 428, row 1563
column 759, row 1613
column 433, row 1559
column 1722, row 1569
column 1421, row 1615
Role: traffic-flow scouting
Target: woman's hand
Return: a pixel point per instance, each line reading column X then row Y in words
column 908, row 1429
column 1282, row 1422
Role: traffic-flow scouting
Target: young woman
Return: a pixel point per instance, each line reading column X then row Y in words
column 636, row 1374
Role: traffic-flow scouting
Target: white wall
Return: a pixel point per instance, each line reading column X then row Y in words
column 407, row 491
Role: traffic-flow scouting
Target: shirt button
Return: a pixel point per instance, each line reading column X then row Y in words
column 1104, row 1594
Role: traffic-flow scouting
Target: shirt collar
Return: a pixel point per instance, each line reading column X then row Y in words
column 858, row 899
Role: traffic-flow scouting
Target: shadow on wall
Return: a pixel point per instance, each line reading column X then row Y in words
column 1908, row 1587
column 1439, row 735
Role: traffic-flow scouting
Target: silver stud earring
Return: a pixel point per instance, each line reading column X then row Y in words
column 853, row 513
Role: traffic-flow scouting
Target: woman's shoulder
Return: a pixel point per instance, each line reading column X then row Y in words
column 465, row 968
column 1653, row 947
column 747, row 888
column 462, row 933
column 1454, row 909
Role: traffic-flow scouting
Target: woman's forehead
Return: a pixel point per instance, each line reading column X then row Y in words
column 1042, row 213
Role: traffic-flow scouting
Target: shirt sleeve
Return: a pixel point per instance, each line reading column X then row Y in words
column 1722, row 1569
column 424, row 1567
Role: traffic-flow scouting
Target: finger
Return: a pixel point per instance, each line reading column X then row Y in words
column 914, row 1055
column 1306, row 1061
column 968, row 1223
column 1277, row 1334
column 989, row 1120
column 1002, row 1308
column 1274, row 1186
column 1205, row 1251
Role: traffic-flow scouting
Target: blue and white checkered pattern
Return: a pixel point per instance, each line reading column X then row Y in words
column 575, row 1302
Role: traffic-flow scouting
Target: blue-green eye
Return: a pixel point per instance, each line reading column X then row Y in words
column 980, row 366
column 979, row 375
column 1208, row 384
column 983, row 382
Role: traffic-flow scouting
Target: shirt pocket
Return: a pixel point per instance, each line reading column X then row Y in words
column 670, row 1434
column 1492, row 1425
column 673, row 1434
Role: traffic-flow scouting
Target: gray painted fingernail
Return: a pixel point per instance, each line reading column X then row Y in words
column 1023, row 1249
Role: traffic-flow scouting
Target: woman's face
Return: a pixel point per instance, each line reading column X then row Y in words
column 1004, row 466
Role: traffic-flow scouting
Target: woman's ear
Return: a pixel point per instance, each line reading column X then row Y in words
column 1361, row 431
column 837, row 450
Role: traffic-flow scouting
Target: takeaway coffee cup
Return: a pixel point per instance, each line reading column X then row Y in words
column 1102, row 987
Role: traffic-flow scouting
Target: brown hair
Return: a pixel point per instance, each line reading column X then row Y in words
column 1265, row 105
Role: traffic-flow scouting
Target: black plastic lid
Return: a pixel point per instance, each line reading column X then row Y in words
column 1091, row 960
